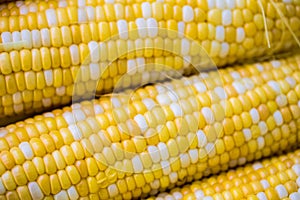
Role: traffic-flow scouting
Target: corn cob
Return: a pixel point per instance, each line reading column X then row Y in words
column 229, row 31
column 43, row 42
column 132, row 144
column 275, row 178
column 34, row 91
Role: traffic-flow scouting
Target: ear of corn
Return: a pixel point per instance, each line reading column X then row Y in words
column 132, row 144
column 34, row 91
column 229, row 31
column 43, row 43
column 275, row 178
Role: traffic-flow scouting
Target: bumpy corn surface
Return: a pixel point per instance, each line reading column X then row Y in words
column 132, row 144
column 228, row 30
column 276, row 178
column 44, row 43
column 27, row 92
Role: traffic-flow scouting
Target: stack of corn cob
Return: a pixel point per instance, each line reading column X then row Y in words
column 189, row 121
column 48, row 46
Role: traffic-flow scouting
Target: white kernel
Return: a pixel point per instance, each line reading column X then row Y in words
column 137, row 164
column 220, row 4
column 36, row 39
column 240, row 35
column 81, row 3
column 265, row 184
column 23, row 10
column 248, row 83
column 146, row 10
column 142, row 27
column 90, row 10
column 247, row 134
column 123, row 29
column 82, row 16
column 35, row 190
column 281, row 100
column 281, row 191
column 166, row 168
column 180, row 29
column 61, row 195
column 211, row 4
column 208, row 115
column 26, row 150
column 74, row 54
column 235, row 75
column 60, row 91
column 51, row 17
column 230, row 4
column 173, row 178
column 257, row 166
column 210, row 149
column 154, row 153
column 220, row 92
column 75, row 131
column 260, row 142
column 152, row 27
column 200, row 87
column 6, row 37
column 226, row 17
column 199, row 194
column 163, row 99
column 291, row 81
column 263, row 127
column 254, row 115
column 94, row 71
column 224, row 49
column 131, row 66
column 220, row 33
column 94, row 51
column 298, row 181
column 295, row 196
column 194, row 155
column 176, row 109
column 16, row 38
column 149, row 103
column 239, row 87
column 141, row 122
column 185, row 160
column 276, row 63
column 163, row 150
column 185, row 47
column 202, row 140
column 275, row 87
column 278, row 118
column 113, row 190
column 259, row 67
column 26, row 39
column 261, row 196
column 187, row 13
column 296, row 169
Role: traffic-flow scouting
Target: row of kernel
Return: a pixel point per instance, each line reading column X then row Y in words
column 57, row 77
column 112, row 12
column 94, row 52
